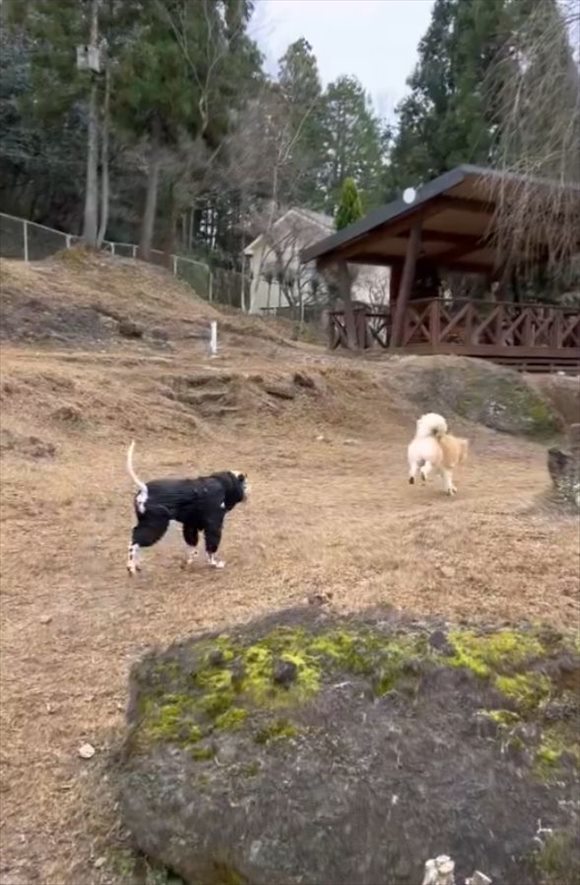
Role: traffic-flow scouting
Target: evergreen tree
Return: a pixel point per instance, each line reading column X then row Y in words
column 181, row 81
column 448, row 117
column 353, row 143
column 350, row 206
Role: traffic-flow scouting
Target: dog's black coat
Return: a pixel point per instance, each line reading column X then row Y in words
column 200, row 505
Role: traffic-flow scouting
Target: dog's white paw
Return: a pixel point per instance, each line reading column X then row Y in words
column 452, row 491
column 132, row 569
column 214, row 562
column 192, row 557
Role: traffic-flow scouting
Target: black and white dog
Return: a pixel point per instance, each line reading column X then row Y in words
column 200, row 505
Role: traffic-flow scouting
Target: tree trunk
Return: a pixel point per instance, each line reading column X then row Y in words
column 169, row 244
column 105, row 190
column 148, row 225
column 91, row 219
column 92, row 180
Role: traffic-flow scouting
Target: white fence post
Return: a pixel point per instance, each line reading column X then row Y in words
column 113, row 249
column 68, row 241
column 213, row 345
column 174, row 263
column 25, row 233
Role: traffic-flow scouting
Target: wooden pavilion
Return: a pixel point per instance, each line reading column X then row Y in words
column 446, row 227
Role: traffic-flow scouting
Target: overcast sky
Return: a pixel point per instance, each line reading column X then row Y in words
column 376, row 40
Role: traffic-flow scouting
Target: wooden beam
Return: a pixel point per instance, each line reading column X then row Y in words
column 413, row 245
column 464, row 204
column 452, row 255
column 376, row 236
column 446, row 236
column 377, row 259
column 466, row 266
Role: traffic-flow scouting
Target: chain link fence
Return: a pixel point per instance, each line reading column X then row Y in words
column 29, row 241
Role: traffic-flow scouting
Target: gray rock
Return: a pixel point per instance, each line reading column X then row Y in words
column 280, row 389
column 285, row 672
column 564, row 469
column 367, row 762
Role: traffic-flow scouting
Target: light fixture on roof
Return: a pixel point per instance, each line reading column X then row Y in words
column 409, row 195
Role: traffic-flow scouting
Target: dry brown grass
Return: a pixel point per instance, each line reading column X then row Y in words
column 324, row 515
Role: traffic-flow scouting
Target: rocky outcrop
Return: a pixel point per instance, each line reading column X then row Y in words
column 307, row 748
column 477, row 390
column 564, row 469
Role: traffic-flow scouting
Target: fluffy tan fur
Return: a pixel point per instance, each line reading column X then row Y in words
column 434, row 448
column 454, row 450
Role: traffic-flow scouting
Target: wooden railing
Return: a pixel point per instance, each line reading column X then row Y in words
column 371, row 325
column 483, row 327
column 522, row 334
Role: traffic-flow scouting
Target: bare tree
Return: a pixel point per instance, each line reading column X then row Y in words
column 280, row 259
column 262, row 150
column 536, row 83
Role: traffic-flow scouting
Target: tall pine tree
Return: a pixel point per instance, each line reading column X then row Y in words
column 448, row 117
column 353, row 145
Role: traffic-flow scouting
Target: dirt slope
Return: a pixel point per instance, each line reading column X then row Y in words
column 323, row 440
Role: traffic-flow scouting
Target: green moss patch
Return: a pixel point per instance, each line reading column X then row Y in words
column 233, row 684
column 489, row 653
column 228, row 684
column 557, row 742
column 505, row 659
column 276, row 730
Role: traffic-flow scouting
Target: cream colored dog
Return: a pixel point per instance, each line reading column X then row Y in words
column 434, row 448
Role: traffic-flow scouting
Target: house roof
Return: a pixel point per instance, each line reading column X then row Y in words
column 456, row 211
column 315, row 224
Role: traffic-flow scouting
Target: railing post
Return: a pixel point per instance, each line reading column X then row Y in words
column 469, row 316
column 499, row 324
column 25, row 234
column 435, row 324
column 528, row 330
column 557, row 329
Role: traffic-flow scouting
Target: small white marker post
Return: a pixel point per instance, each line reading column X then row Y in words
column 213, row 344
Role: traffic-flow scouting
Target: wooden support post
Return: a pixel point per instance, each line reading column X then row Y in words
column 404, row 292
column 344, row 284
column 395, row 282
column 394, row 286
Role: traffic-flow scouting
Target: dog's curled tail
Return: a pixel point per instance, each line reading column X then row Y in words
column 431, row 424
column 143, row 490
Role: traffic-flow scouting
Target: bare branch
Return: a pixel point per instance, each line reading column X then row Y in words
column 536, row 83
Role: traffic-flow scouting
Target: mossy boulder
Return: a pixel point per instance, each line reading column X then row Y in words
column 311, row 748
column 480, row 391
